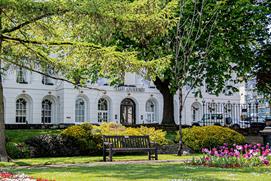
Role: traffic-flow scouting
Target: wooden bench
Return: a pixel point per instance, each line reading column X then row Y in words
column 113, row 144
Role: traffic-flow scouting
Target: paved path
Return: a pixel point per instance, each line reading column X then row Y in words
column 92, row 164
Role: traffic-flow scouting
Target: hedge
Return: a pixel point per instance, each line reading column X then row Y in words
column 209, row 137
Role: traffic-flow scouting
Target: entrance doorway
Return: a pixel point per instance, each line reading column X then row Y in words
column 127, row 111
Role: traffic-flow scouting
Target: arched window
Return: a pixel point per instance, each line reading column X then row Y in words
column 103, row 110
column 21, row 110
column 46, row 112
column 196, row 111
column 150, row 111
column 80, row 110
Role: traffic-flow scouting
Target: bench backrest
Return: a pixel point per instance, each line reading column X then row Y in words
column 128, row 141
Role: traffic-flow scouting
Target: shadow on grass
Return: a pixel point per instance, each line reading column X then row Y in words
column 144, row 172
column 19, row 163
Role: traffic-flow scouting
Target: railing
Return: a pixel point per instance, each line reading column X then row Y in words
column 233, row 115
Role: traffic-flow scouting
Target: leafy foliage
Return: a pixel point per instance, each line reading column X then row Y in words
column 74, row 140
column 85, row 135
column 17, row 150
column 262, row 70
column 157, row 136
column 209, row 137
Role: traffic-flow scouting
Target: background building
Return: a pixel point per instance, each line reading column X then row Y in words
column 31, row 98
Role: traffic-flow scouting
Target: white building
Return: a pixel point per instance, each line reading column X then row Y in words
column 31, row 98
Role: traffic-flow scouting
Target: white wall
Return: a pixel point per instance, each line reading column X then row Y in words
column 64, row 96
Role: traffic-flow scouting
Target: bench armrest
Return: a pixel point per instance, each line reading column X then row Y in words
column 107, row 144
column 154, row 144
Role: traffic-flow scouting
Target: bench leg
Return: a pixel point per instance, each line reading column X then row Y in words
column 110, row 154
column 104, row 155
column 149, row 155
column 156, row 153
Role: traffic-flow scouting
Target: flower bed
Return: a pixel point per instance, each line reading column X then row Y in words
column 235, row 156
column 6, row 176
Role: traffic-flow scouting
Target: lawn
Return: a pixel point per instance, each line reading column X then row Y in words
column 147, row 172
column 85, row 159
column 19, row 136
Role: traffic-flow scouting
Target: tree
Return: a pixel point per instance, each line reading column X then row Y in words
column 212, row 38
column 214, row 44
column 34, row 35
column 212, row 55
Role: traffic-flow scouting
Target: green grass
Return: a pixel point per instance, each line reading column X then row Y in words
column 18, row 136
column 147, row 172
column 85, row 159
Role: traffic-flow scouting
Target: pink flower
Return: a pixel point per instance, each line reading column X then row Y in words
column 236, row 153
column 239, row 147
column 265, row 153
column 205, row 150
column 266, row 162
column 261, row 158
column 247, row 156
column 207, row 158
column 214, row 149
column 245, row 146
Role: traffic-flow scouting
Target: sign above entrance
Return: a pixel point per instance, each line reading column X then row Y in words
column 130, row 89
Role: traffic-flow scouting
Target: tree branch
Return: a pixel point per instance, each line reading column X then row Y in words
column 31, row 21
column 51, row 76
column 36, row 42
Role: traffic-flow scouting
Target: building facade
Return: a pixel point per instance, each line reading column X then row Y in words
column 31, row 98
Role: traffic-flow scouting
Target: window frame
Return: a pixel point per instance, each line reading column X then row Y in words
column 21, row 107
column 103, row 110
column 150, row 114
column 21, row 76
column 46, row 114
column 80, row 117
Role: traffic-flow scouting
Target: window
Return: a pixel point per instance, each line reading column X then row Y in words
column 47, row 80
column 150, row 111
column 80, row 110
column 196, row 111
column 46, row 112
column 21, row 76
column 102, row 110
column 21, row 110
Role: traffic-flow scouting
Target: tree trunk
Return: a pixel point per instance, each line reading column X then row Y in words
column 180, row 149
column 3, row 152
column 168, row 98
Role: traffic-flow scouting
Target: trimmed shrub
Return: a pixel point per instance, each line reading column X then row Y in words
column 75, row 140
column 17, row 150
column 85, row 135
column 53, row 145
column 209, row 137
column 157, row 136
